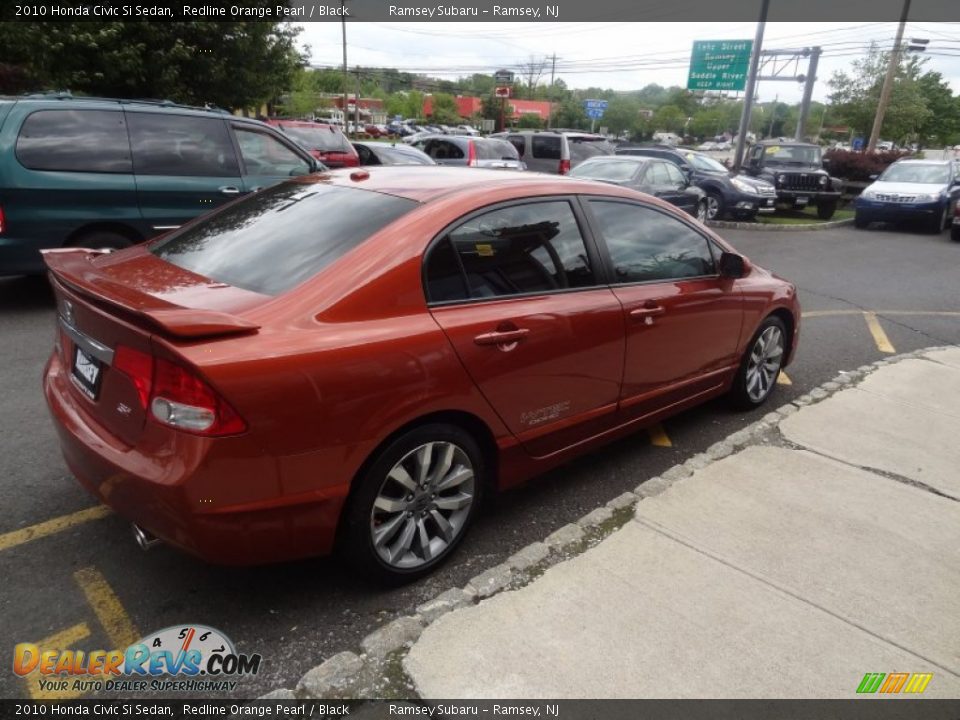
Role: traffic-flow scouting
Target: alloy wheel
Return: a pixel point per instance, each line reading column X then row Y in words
column 713, row 207
column 766, row 356
column 422, row 505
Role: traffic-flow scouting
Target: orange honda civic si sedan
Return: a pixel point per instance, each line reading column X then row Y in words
column 351, row 360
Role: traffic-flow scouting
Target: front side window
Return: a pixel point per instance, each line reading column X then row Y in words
column 676, row 177
column 647, row 245
column 281, row 236
column 443, row 150
column 165, row 144
column 93, row 141
column 657, row 174
column 263, row 154
column 516, row 250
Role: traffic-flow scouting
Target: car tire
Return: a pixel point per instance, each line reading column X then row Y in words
column 936, row 224
column 761, row 364
column 715, row 206
column 701, row 213
column 101, row 239
column 860, row 220
column 826, row 210
column 400, row 523
column 955, row 232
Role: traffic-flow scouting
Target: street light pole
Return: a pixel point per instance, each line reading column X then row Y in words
column 888, row 80
column 751, row 86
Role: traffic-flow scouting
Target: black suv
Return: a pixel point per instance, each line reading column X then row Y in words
column 796, row 170
column 739, row 196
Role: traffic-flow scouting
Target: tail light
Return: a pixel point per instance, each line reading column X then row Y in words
column 471, row 154
column 176, row 396
column 564, row 167
column 3, row 221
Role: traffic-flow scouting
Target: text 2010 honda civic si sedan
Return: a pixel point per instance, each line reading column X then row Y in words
column 351, row 360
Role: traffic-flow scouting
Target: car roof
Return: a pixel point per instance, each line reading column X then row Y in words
column 66, row 99
column 432, row 182
column 921, row 161
column 785, row 141
column 298, row 123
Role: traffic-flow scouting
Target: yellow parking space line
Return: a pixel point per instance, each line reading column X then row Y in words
column 784, row 379
column 658, row 436
column 114, row 619
column 63, row 640
column 840, row 313
column 52, row 527
column 879, row 336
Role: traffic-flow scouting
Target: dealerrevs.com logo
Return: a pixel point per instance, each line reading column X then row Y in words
column 185, row 658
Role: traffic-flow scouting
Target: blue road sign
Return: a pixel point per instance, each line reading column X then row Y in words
column 595, row 108
column 857, row 144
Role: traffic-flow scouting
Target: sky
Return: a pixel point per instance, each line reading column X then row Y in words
column 620, row 56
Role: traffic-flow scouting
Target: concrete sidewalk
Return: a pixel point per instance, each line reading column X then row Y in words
column 828, row 549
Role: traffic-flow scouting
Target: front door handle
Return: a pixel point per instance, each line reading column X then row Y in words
column 229, row 190
column 647, row 312
column 502, row 337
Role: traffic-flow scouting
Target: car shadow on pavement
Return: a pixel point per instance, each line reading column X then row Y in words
column 27, row 292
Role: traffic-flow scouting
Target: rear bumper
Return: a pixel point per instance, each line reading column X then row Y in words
column 191, row 492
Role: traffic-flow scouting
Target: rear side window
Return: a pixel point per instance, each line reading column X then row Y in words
column 582, row 149
column 516, row 250
column 280, row 236
column 443, row 150
column 546, row 147
column 75, row 141
column 495, row 150
column 165, row 144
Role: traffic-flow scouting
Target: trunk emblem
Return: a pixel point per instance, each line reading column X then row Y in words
column 68, row 312
column 124, row 409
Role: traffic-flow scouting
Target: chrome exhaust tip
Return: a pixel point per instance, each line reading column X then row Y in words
column 144, row 539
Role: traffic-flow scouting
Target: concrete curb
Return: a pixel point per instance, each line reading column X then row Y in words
column 772, row 227
column 377, row 671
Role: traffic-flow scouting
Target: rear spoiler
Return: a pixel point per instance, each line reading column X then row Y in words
column 72, row 268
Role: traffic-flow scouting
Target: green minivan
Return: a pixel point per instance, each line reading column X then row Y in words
column 92, row 172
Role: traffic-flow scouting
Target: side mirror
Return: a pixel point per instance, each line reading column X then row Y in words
column 732, row 265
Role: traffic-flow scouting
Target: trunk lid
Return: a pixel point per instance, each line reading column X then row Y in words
column 108, row 305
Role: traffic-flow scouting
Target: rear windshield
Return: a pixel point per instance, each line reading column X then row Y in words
column 322, row 138
column 280, row 236
column 495, row 150
column 583, row 148
column 614, row 170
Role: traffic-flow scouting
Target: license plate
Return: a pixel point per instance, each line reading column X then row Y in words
column 802, row 200
column 86, row 373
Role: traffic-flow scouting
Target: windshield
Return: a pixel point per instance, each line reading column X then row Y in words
column 917, row 173
column 281, row 236
column 323, row 138
column 791, row 155
column 702, row 162
column 611, row 170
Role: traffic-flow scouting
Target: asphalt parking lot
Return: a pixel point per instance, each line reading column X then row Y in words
column 72, row 574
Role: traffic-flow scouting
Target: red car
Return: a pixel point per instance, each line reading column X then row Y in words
column 326, row 143
column 352, row 359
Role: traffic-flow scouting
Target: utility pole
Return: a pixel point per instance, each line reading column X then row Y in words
column 888, row 80
column 356, row 105
column 550, row 96
column 808, row 91
column 346, row 76
column 751, row 85
column 773, row 114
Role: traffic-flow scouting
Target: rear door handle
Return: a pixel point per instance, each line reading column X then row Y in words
column 502, row 337
column 229, row 190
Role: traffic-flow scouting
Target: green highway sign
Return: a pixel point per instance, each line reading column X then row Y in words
column 719, row 64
